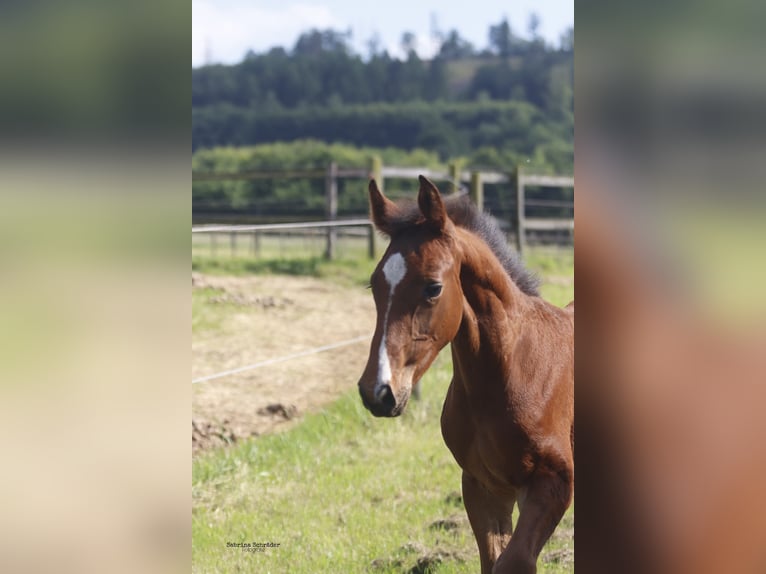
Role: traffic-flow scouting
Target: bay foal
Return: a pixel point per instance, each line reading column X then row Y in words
column 448, row 276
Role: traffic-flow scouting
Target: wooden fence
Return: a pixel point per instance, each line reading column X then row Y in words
column 476, row 179
column 257, row 231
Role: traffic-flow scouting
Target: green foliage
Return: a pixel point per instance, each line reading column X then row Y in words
column 448, row 128
column 517, row 96
column 496, row 109
column 290, row 198
column 301, row 198
column 322, row 66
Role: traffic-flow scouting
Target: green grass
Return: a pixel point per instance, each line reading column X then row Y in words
column 355, row 270
column 205, row 317
column 349, row 272
column 339, row 492
column 547, row 261
column 556, row 267
column 302, row 256
column 278, row 246
column 342, row 491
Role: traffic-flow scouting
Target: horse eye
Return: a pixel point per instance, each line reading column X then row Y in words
column 432, row 290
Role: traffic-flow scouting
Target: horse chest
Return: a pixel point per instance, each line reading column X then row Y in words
column 492, row 450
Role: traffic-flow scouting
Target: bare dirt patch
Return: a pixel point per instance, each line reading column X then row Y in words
column 452, row 523
column 263, row 318
column 414, row 558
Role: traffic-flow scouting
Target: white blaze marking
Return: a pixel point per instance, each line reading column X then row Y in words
column 394, row 271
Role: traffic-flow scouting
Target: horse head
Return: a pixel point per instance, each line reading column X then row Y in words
column 416, row 287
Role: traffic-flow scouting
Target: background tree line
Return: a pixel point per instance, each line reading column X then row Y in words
column 450, row 129
column 322, row 69
column 507, row 104
column 322, row 89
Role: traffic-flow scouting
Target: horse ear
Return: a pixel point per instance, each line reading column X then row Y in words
column 431, row 204
column 382, row 209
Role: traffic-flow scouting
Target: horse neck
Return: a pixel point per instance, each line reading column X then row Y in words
column 493, row 307
column 485, row 282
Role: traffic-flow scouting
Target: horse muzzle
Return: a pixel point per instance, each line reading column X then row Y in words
column 384, row 403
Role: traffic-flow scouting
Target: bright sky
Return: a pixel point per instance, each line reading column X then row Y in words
column 224, row 30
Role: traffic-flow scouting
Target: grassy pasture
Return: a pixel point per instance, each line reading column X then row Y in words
column 343, row 491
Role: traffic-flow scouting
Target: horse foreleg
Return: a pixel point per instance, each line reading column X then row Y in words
column 490, row 520
column 541, row 505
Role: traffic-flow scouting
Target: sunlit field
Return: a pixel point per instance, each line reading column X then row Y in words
column 342, row 491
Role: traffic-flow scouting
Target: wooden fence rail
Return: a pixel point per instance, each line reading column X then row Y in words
column 522, row 222
column 476, row 179
column 255, row 231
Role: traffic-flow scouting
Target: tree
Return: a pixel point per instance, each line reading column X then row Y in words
column 566, row 42
column 321, row 89
column 315, row 42
column 373, row 45
column 408, row 43
column 436, row 84
column 500, row 38
column 454, row 47
column 533, row 26
column 536, row 42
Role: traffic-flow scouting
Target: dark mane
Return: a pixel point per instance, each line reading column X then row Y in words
column 463, row 213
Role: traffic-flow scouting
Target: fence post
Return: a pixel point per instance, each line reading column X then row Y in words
column 212, row 244
column 454, row 175
column 477, row 190
column 331, row 207
column 520, row 218
column 256, row 243
column 232, row 244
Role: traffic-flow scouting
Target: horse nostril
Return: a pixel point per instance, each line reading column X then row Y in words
column 385, row 397
column 380, row 391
